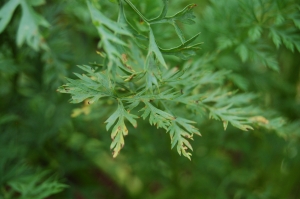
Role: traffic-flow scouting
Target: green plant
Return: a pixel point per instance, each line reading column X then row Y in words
column 147, row 78
column 133, row 75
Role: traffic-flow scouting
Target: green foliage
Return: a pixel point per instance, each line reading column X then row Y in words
column 136, row 68
column 35, row 187
column 106, row 28
column 30, row 21
column 119, row 130
column 150, row 79
column 24, row 181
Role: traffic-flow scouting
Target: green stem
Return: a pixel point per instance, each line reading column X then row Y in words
column 137, row 11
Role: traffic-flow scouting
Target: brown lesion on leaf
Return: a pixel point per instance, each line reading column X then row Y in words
column 193, row 5
column 259, row 119
column 124, row 58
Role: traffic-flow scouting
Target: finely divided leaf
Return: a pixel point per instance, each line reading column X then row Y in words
column 186, row 15
column 180, row 130
column 109, row 32
column 157, row 117
column 119, row 130
column 92, row 87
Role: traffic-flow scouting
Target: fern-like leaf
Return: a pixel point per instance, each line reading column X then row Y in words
column 119, row 130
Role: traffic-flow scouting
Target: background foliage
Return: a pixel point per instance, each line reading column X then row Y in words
column 246, row 75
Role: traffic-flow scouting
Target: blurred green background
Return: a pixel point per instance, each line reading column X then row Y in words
column 52, row 149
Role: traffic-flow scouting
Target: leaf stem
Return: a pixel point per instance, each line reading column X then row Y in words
column 137, row 11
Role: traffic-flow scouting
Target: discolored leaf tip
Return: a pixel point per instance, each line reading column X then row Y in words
column 115, row 153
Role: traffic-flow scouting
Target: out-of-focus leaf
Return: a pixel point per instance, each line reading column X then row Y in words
column 6, row 13
column 28, row 29
column 37, row 185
